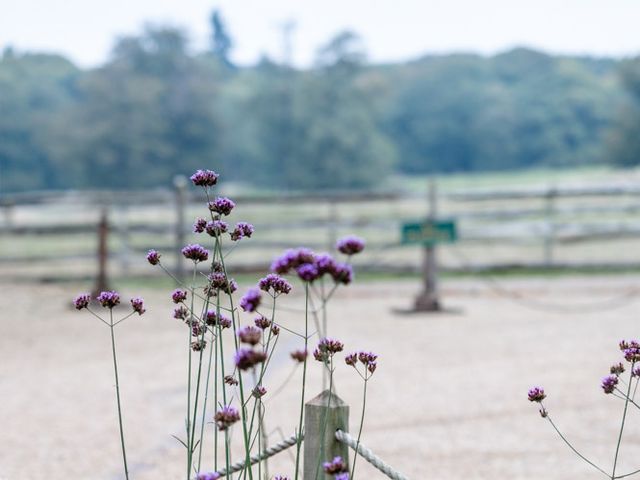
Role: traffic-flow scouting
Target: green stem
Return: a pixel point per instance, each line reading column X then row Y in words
column 364, row 405
column 304, row 377
column 624, row 417
column 115, row 370
column 325, row 418
column 188, row 422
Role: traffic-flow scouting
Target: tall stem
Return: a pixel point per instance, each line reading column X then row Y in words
column 624, row 417
column 115, row 370
column 364, row 405
column 188, row 421
column 304, row 376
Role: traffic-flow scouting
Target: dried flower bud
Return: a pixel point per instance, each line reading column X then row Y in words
column 229, row 380
column 225, row 417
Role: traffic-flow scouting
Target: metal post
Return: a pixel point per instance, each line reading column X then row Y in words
column 428, row 300
column 320, row 445
column 180, row 184
column 102, row 283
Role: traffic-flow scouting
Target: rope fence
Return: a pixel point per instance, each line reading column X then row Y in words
column 369, row 456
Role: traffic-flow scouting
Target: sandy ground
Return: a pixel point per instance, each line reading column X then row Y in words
column 448, row 400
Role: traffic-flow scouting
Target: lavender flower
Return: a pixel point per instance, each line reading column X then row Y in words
column 243, row 229
column 137, row 304
column 299, row 355
column 250, row 335
column 180, row 313
column 82, row 301
column 335, row 466
column 259, row 391
column 342, row 476
column 195, row 252
column 222, row 206
column 213, row 319
column 205, row 178
column 343, row 273
column 275, row 283
column 247, row 358
column 308, row 272
column 367, row 357
column 280, row 477
column 199, row 225
column 216, row 228
column 351, row 359
column 325, row 264
column 153, row 257
column 636, row 371
column 372, row 367
column 609, row 383
column 275, row 329
column 327, row 347
column 179, row 295
column 262, row 322
column 292, row 259
column 617, row 369
column 226, row 416
column 251, row 300
column 109, row 299
column 350, row 245
column 536, row 394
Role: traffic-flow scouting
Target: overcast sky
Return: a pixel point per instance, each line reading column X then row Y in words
column 393, row 30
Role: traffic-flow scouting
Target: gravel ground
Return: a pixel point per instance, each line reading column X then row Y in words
column 448, row 400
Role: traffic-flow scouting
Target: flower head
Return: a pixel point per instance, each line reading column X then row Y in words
column 350, row 245
column 213, row 319
column 247, row 358
column 195, row 252
column 179, row 295
column 82, row 301
column 292, row 259
column 216, row 228
column 308, row 272
column 299, row 355
column 137, row 304
column 226, row 416
column 351, row 359
column 343, row 273
column 335, row 466
column 609, row 383
column 198, row 345
column 229, row 380
column 259, row 391
column 617, row 369
column 251, row 300
column 250, row 335
column 222, row 206
column 205, row 178
column 180, row 313
column 262, row 322
column 208, row 476
column 274, row 283
column 327, row 347
column 536, row 394
column 153, row 257
column 243, row 229
column 109, row 299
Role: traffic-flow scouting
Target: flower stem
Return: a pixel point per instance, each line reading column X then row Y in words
column 115, row 370
column 304, row 377
column 624, row 417
column 364, row 405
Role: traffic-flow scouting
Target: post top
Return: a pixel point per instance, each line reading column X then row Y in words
column 322, row 400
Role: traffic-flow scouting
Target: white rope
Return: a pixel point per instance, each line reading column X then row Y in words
column 369, row 456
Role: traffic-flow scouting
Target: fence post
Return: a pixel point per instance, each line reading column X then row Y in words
column 320, row 444
column 332, row 233
column 550, row 226
column 180, row 184
column 428, row 300
column 102, row 284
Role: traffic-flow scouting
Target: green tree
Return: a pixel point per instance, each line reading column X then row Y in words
column 623, row 145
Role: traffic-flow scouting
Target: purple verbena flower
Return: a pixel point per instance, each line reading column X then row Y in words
column 199, row 225
column 82, row 301
column 226, row 416
column 179, row 295
column 617, row 369
column 247, row 358
column 609, row 383
column 251, row 300
column 180, row 313
column 280, row 477
column 216, row 228
column 195, row 252
column 275, row 329
column 222, row 206
column 262, row 322
column 335, row 466
column 299, row 355
column 208, row 476
column 205, row 178
column 153, row 257
column 250, row 335
column 536, row 394
column 109, row 299
column 259, row 391
column 351, row 359
column 275, row 283
column 307, row 272
column 213, row 319
column 636, row 371
column 367, row 357
column 342, row 476
column 137, row 304
column 327, row 347
column 343, row 273
column 350, row 245
column 198, row 345
column 325, row 264
column 292, row 259
column 243, row 229
column 371, row 366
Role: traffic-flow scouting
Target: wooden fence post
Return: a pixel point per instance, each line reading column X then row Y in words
column 102, row 283
column 328, row 410
column 427, row 300
column 180, row 184
column 550, row 226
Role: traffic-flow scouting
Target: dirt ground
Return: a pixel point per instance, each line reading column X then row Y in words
column 447, row 402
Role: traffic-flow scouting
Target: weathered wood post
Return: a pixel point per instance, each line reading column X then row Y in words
column 332, row 224
column 180, row 184
column 320, row 445
column 427, row 300
column 549, row 237
column 102, row 283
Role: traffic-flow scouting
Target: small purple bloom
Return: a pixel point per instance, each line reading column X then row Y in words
column 342, row 476
column 216, row 228
column 137, row 304
column 243, row 229
column 259, row 391
column 335, row 466
column 250, row 335
column 275, row 283
column 262, row 322
column 205, row 178
column 213, row 319
column 343, row 273
column 536, row 394
column 299, row 355
column 82, row 301
column 247, row 358
column 199, row 225
column 280, row 477
column 251, row 300
column 198, row 345
column 636, row 371
column 226, row 416
column 222, row 206
column 308, row 272
column 179, row 295
column 275, row 329
column 208, row 476
column 325, row 263
column 195, row 252
column 350, row 245
column 153, row 257
column 617, row 369
column 292, row 259
column 351, row 359
column 109, row 299
column 367, row 357
column 609, row 383
column 180, row 313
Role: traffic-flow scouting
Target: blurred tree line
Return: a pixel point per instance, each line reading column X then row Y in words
column 155, row 110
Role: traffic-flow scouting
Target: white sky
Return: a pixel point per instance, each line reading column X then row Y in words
column 392, row 30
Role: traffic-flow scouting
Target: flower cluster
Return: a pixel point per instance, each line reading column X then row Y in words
column 222, row 206
column 368, row 359
column 251, row 300
column 259, row 391
column 247, row 358
column 250, row 335
column 327, row 348
column 82, row 301
column 226, row 416
column 631, row 350
column 262, row 322
column 335, row 466
column 195, row 252
column 205, row 178
column 216, row 228
column 299, row 355
column 137, row 304
column 153, row 257
column 219, row 281
column 208, row 476
column 310, row 266
column 108, row 299
column 609, row 383
column 242, row 230
column 536, row 394
column 350, row 245
column 213, row 319
column 179, row 295
column 274, row 283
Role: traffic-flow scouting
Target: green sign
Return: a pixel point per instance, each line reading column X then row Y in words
column 429, row 232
